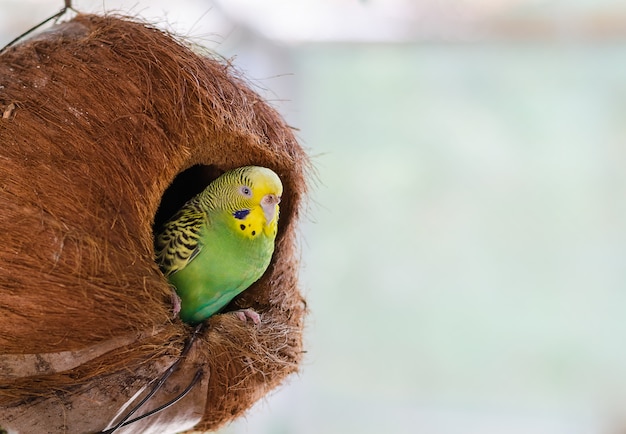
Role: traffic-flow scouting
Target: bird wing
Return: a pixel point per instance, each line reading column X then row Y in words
column 179, row 241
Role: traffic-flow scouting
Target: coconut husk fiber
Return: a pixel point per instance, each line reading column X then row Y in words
column 109, row 125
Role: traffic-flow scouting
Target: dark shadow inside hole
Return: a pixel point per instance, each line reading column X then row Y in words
column 185, row 186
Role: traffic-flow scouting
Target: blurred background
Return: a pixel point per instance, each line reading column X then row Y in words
column 464, row 247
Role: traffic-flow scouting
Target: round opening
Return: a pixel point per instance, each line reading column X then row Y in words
column 185, row 186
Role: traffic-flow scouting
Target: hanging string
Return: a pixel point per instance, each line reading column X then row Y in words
column 181, row 395
column 126, row 419
column 68, row 6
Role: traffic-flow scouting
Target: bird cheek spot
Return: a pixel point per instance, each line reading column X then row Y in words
column 253, row 233
column 243, row 227
column 241, row 214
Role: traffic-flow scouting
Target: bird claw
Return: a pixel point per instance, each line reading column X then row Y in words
column 175, row 302
column 244, row 314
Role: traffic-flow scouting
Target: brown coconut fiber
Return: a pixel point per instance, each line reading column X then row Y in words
column 107, row 126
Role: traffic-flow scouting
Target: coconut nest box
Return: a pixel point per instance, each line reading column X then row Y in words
column 107, row 127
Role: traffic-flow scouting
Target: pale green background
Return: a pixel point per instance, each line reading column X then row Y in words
column 464, row 246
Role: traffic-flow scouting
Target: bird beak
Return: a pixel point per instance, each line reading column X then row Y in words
column 269, row 203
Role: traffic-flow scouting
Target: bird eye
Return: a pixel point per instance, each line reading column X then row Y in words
column 245, row 190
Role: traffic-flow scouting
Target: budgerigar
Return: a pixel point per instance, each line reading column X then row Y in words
column 221, row 241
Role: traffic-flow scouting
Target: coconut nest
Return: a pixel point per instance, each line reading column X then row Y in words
column 107, row 127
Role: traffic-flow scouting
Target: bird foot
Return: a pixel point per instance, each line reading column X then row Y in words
column 245, row 314
column 175, row 302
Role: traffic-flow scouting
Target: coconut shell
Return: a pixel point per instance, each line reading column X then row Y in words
column 108, row 126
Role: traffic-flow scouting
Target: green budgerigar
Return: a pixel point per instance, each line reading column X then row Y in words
column 221, row 241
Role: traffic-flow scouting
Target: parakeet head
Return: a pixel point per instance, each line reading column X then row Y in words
column 250, row 195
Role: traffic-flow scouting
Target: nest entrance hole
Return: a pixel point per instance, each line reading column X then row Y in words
column 186, row 185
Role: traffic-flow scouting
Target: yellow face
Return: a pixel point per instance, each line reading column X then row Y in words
column 258, row 195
